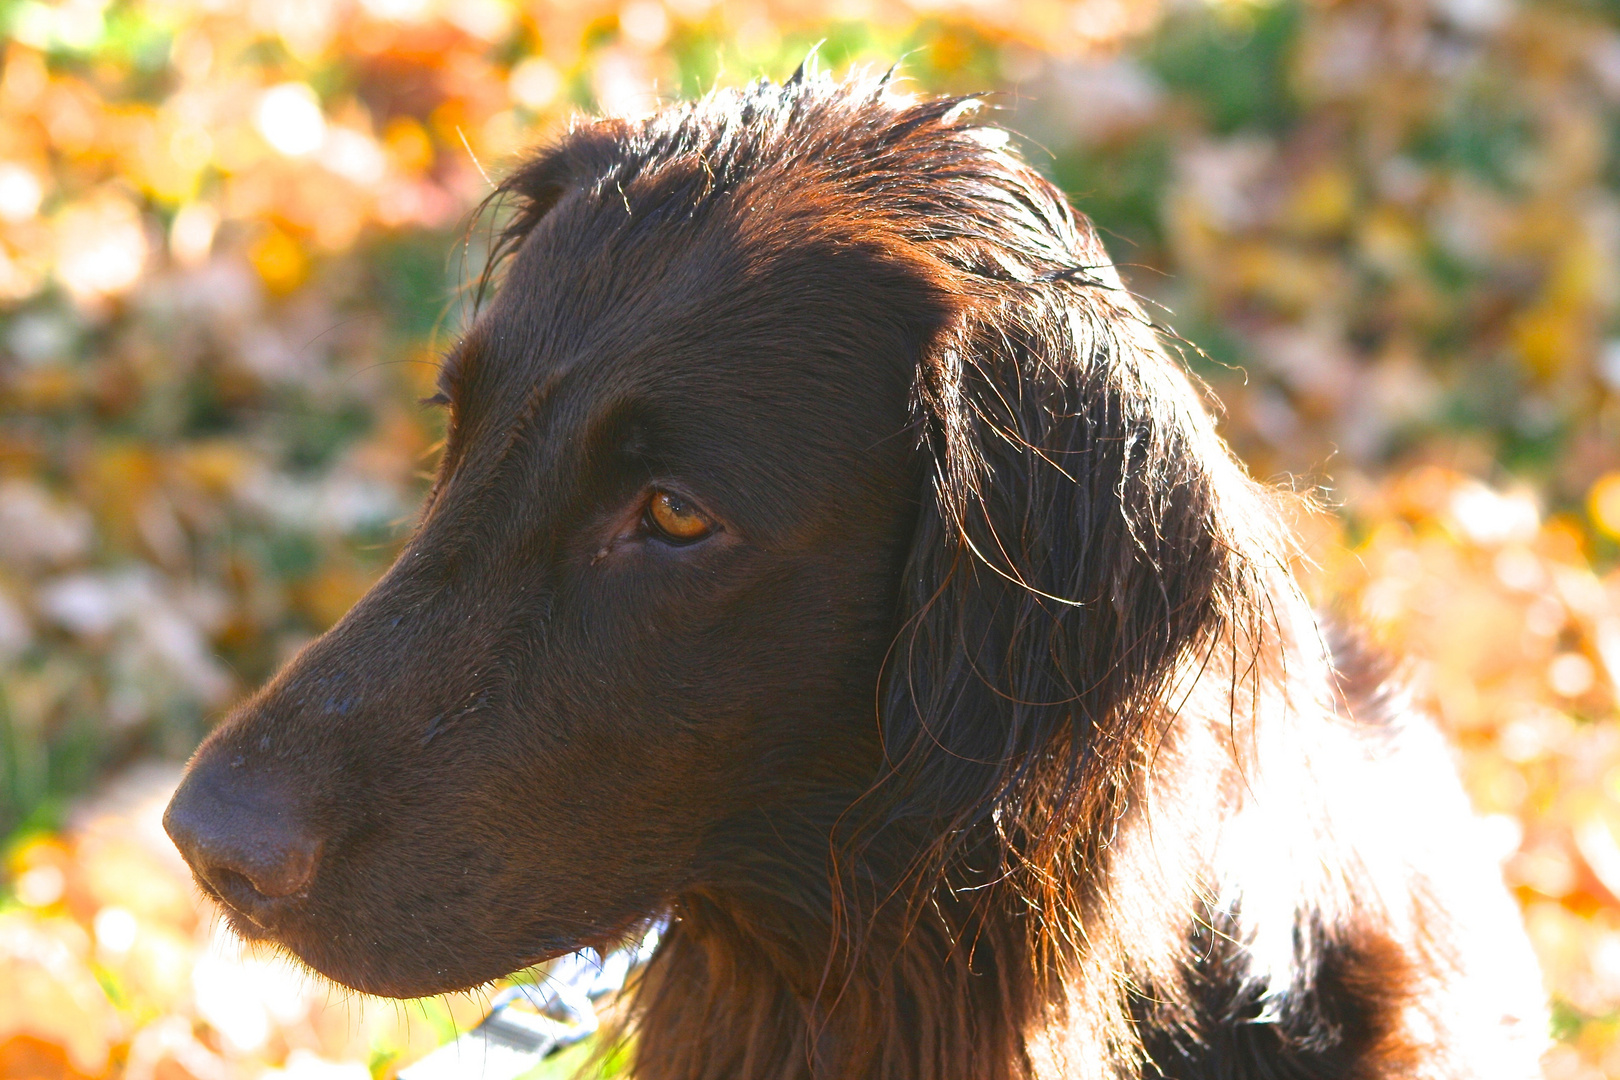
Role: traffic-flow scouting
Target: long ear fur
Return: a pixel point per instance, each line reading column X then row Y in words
column 1085, row 542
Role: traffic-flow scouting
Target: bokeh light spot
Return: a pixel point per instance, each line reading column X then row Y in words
column 290, row 119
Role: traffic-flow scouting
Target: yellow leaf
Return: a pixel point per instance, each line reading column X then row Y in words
column 1389, row 241
column 1546, row 337
column 215, row 465
column 280, row 261
column 408, row 145
column 1603, row 503
column 1323, row 203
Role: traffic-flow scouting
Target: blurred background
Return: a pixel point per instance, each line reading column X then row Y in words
column 233, row 241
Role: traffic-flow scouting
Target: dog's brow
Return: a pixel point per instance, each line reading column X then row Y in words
column 525, row 418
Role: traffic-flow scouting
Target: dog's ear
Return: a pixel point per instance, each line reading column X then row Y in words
column 1084, row 541
column 529, row 192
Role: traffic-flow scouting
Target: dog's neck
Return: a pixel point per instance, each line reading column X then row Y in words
column 785, row 973
column 766, row 976
column 745, row 986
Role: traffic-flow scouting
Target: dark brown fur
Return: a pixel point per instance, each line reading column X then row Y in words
column 988, row 735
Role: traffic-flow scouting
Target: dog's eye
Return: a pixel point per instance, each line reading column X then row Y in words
column 676, row 519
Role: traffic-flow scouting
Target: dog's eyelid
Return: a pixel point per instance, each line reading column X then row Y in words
column 676, row 518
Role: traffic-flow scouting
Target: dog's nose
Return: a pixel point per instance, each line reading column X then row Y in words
column 238, row 830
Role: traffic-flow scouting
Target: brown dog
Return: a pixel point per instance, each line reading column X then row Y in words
column 826, row 554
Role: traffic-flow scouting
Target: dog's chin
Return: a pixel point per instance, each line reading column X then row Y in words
column 376, row 970
column 398, row 984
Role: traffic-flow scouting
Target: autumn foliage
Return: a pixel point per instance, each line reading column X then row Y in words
column 234, row 238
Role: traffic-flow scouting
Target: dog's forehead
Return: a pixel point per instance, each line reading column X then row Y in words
column 706, row 318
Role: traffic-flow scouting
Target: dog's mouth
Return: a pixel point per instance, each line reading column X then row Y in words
column 365, row 955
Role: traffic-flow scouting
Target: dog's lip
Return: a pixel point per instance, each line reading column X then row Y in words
column 244, row 927
column 604, row 942
column 546, row 956
column 281, row 921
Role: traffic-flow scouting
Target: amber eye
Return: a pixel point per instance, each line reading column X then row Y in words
column 677, row 519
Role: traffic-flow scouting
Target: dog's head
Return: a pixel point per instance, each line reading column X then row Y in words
column 807, row 447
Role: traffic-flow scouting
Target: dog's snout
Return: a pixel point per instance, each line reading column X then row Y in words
column 242, row 835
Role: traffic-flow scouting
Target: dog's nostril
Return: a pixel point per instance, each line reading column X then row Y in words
column 240, row 893
column 231, row 883
column 272, row 869
column 240, row 836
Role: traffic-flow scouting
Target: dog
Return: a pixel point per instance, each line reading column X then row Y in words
column 827, row 556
